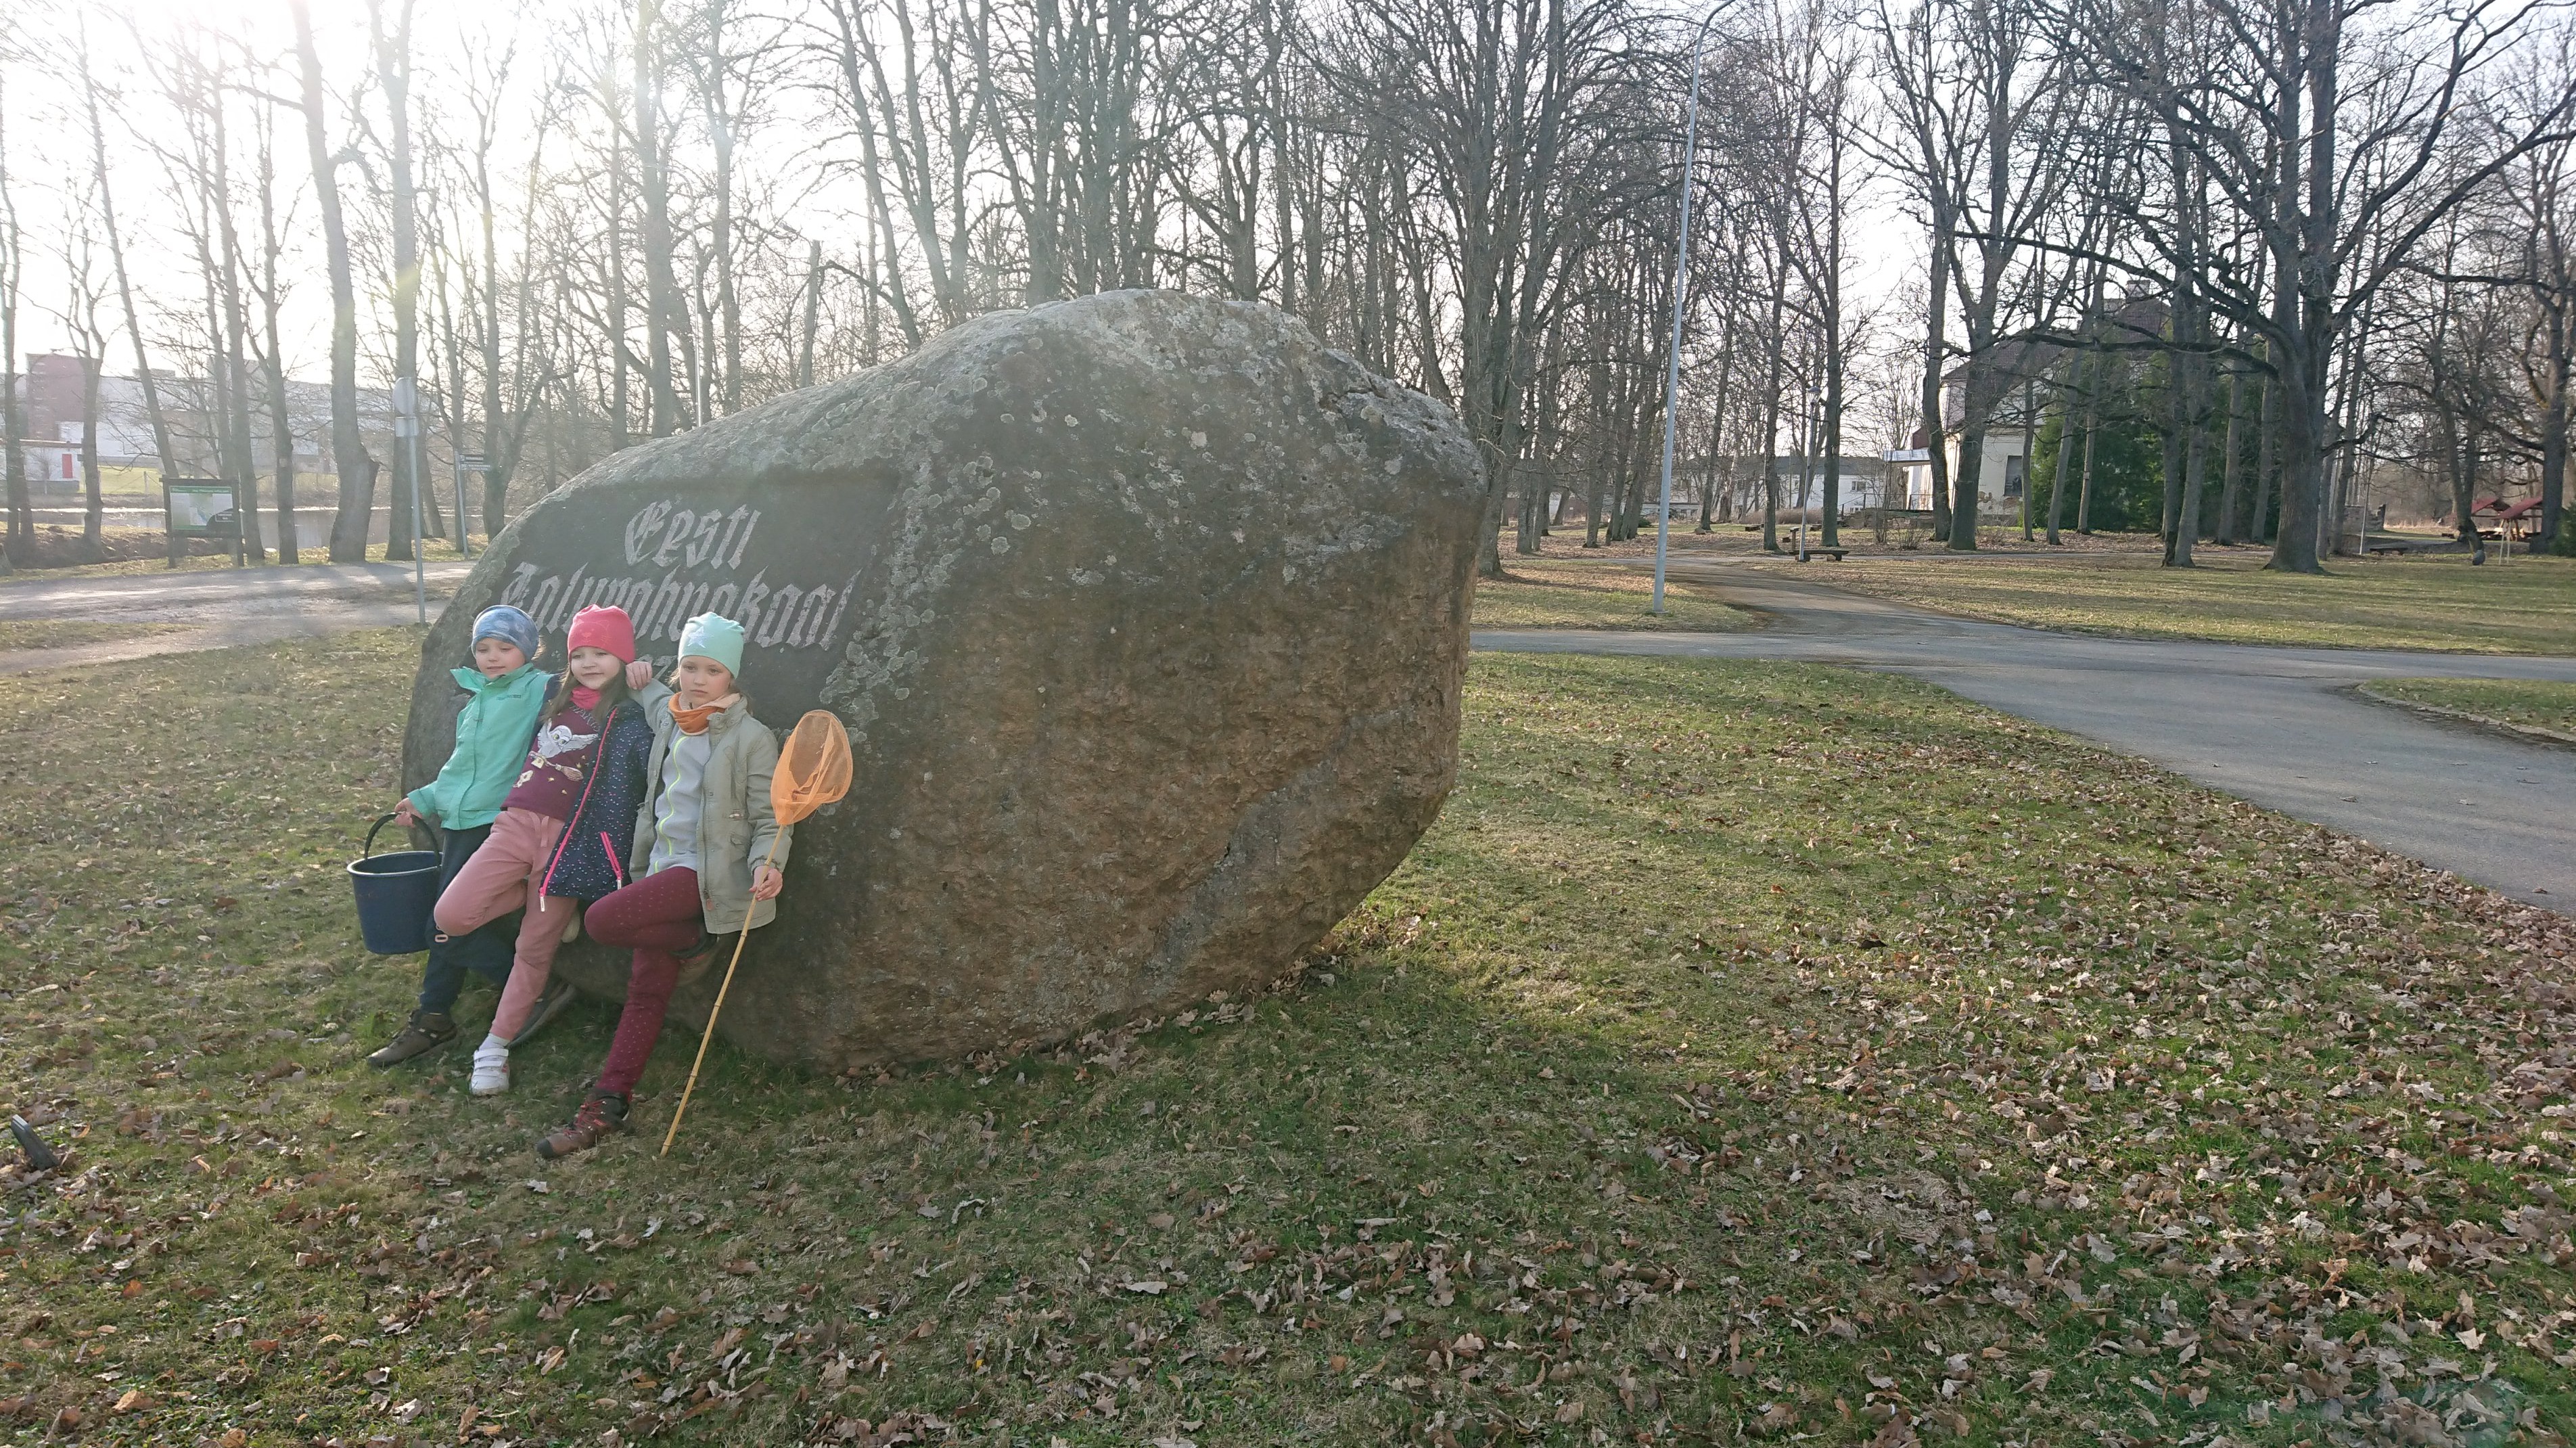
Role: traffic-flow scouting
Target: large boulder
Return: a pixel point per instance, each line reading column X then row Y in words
column 1146, row 615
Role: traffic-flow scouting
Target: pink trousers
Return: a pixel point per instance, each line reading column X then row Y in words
column 505, row 875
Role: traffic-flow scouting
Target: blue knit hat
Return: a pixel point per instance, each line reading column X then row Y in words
column 508, row 625
column 710, row 636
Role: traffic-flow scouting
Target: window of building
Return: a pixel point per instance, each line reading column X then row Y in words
column 2012, row 476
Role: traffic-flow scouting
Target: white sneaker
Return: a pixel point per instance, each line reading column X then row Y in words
column 491, row 1069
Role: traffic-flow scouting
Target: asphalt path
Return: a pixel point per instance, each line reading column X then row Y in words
column 214, row 608
column 2280, row 727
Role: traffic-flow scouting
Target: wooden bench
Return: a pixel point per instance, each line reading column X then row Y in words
column 1835, row 553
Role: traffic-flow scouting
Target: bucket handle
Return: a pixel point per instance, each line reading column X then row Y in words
column 369, row 848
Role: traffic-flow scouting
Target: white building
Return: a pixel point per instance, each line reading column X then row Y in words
column 1862, row 481
column 2031, row 372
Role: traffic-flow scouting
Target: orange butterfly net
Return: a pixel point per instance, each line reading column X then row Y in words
column 813, row 771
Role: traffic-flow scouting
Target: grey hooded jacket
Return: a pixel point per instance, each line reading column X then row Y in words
column 736, row 824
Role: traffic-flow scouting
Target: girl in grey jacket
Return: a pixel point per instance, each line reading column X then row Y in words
column 701, row 837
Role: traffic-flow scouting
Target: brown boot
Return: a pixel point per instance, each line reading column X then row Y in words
column 426, row 1032
column 599, row 1117
column 700, row 958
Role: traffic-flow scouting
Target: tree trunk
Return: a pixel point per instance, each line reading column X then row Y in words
column 661, row 287
column 2066, row 395
column 2303, row 427
column 1831, row 445
column 621, row 353
column 453, row 396
column 2554, row 533
column 2029, row 449
column 2463, row 448
column 133, row 324
column 357, row 473
column 2177, row 541
column 1709, row 472
column 1771, row 405
column 2092, row 425
column 813, row 312
column 393, row 72
column 2231, row 491
column 720, row 122
column 2195, row 450
column 93, row 513
column 236, row 326
column 2266, row 423
column 1964, row 499
column 1936, row 310
column 281, row 418
column 22, row 518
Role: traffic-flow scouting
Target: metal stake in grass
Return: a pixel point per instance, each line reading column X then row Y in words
column 813, row 771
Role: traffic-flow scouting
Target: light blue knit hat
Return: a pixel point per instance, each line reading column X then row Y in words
column 507, row 624
column 712, row 636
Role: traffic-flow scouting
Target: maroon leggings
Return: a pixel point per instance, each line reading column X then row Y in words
column 655, row 917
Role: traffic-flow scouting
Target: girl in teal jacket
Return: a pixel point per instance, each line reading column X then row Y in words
column 503, row 693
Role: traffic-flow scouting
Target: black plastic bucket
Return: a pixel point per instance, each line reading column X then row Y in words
column 395, row 893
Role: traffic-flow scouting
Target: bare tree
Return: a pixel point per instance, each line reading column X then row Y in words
column 85, row 293
column 357, row 470
column 391, row 48
column 13, row 271
column 271, row 349
column 2318, row 132
column 106, row 203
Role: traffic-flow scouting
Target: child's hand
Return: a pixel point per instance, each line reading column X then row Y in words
column 639, row 673
column 766, row 882
column 405, row 815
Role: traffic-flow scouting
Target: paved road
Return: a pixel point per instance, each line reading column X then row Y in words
column 2279, row 727
column 217, row 608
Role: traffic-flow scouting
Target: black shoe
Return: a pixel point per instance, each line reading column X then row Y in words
column 426, row 1032
column 557, row 999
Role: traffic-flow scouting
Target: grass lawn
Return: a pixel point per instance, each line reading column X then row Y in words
column 1544, row 593
column 66, row 633
column 1750, row 1051
column 2532, row 704
column 2526, row 606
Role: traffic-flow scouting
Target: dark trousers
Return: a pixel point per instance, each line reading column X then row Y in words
column 652, row 917
column 486, row 951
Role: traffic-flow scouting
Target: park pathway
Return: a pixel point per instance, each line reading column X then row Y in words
column 2280, row 727
column 215, row 608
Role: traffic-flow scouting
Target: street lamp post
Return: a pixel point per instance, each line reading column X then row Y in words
column 1681, row 294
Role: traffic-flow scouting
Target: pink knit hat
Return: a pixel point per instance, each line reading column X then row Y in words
column 603, row 628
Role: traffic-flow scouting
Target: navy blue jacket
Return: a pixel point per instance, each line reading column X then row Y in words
column 591, row 861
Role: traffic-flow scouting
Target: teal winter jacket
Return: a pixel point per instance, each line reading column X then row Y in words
column 492, row 734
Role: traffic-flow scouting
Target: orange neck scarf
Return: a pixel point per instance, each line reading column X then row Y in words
column 694, row 721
